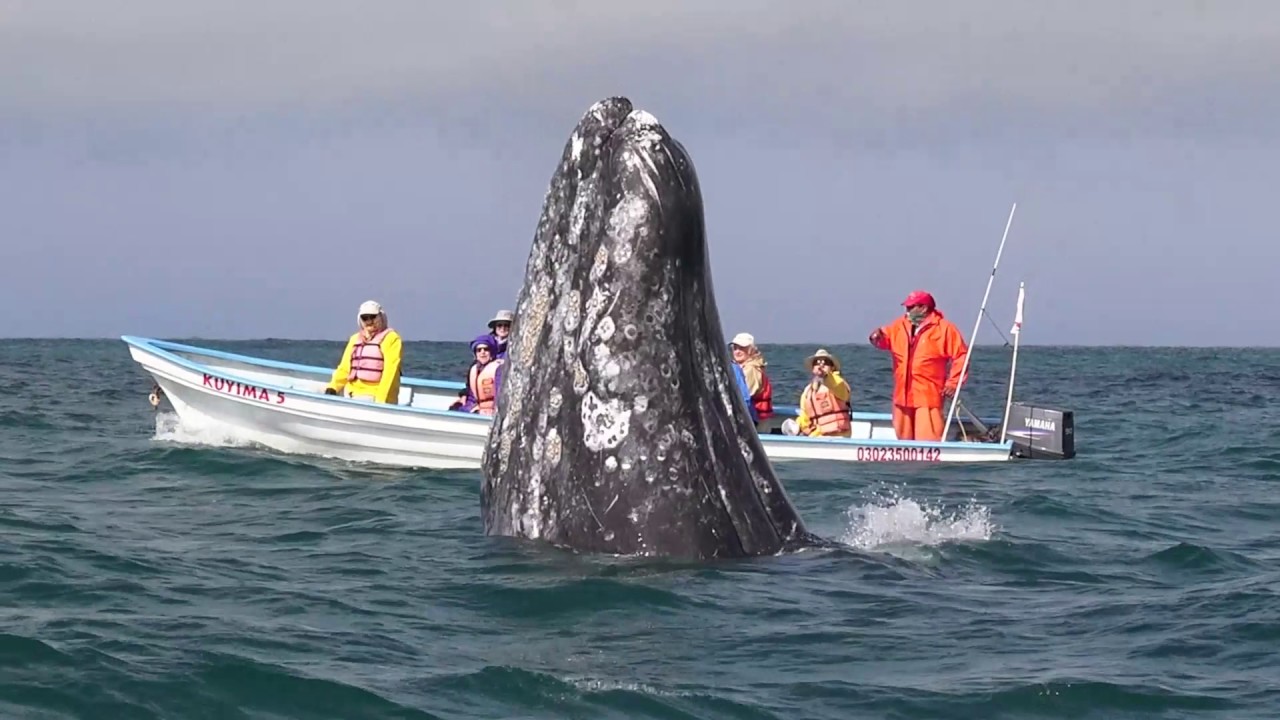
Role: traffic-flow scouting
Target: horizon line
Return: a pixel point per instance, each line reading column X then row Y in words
column 197, row 338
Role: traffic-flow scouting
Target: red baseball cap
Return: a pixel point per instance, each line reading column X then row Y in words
column 919, row 297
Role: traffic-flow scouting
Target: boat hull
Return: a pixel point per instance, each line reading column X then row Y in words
column 281, row 406
column 291, row 415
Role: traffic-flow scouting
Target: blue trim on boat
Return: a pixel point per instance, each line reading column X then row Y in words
column 166, row 348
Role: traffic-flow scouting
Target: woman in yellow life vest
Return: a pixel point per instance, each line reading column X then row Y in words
column 370, row 367
column 824, row 403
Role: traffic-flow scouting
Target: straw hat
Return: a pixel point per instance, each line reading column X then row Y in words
column 822, row 353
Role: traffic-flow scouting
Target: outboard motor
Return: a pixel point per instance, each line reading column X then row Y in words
column 1041, row 432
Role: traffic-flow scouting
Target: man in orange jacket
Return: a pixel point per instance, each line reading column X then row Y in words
column 921, row 341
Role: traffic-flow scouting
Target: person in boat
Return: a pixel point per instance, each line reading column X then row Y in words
column 740, row 381
column 824, row 402
column 482, row 385
column 370, row 365
column 922, row 341
column 500, row 329
column 751, row 360
column 462, row 400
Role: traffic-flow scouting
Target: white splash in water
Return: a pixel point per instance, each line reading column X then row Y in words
column 198, row 431
column 897, row 521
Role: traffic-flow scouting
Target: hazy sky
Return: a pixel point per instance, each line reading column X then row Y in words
column 256, row 169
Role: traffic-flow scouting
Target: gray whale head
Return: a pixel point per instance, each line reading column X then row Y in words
column 619, row 428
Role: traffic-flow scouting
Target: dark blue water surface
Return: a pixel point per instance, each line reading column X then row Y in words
column 150, row 572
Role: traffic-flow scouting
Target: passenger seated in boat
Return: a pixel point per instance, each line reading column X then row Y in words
column 482, row 390
column 370, row 366
column 824, row 403
column 500, row 329
column 740, row 382
column 749, row 357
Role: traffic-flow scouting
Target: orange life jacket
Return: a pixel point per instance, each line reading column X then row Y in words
column 482, row 383
column 829, row 415
column 366, row 359
column 763, row 399
column 920, row 359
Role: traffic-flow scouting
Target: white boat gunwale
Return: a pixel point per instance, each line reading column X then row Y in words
column 167, row 350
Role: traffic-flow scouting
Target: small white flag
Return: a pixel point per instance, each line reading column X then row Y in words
column 1017, row 318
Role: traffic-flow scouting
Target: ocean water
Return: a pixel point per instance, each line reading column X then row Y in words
column 148, row 572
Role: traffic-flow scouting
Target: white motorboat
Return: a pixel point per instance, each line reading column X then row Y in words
column 282, row 406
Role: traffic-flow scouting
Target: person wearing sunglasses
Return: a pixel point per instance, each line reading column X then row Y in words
column 824, row 402
column 922, row 341
column 482, row 378
column 500, row 329
column 370, row 365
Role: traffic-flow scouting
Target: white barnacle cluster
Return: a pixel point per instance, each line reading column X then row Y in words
column 604, row 423
column 657, row 313
column 603, row 363
column 643, row 119
column 580, row 378
column 533, row 317
column 572, row 310
column 600, row 264
column 529, row 517
column 605, row 329
column 629, row 214
column 515, row 405
column 504, row 451
column 578, row 216
column 646, row 122
column 551, row 448
column 576, row 146
column 595, row 306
